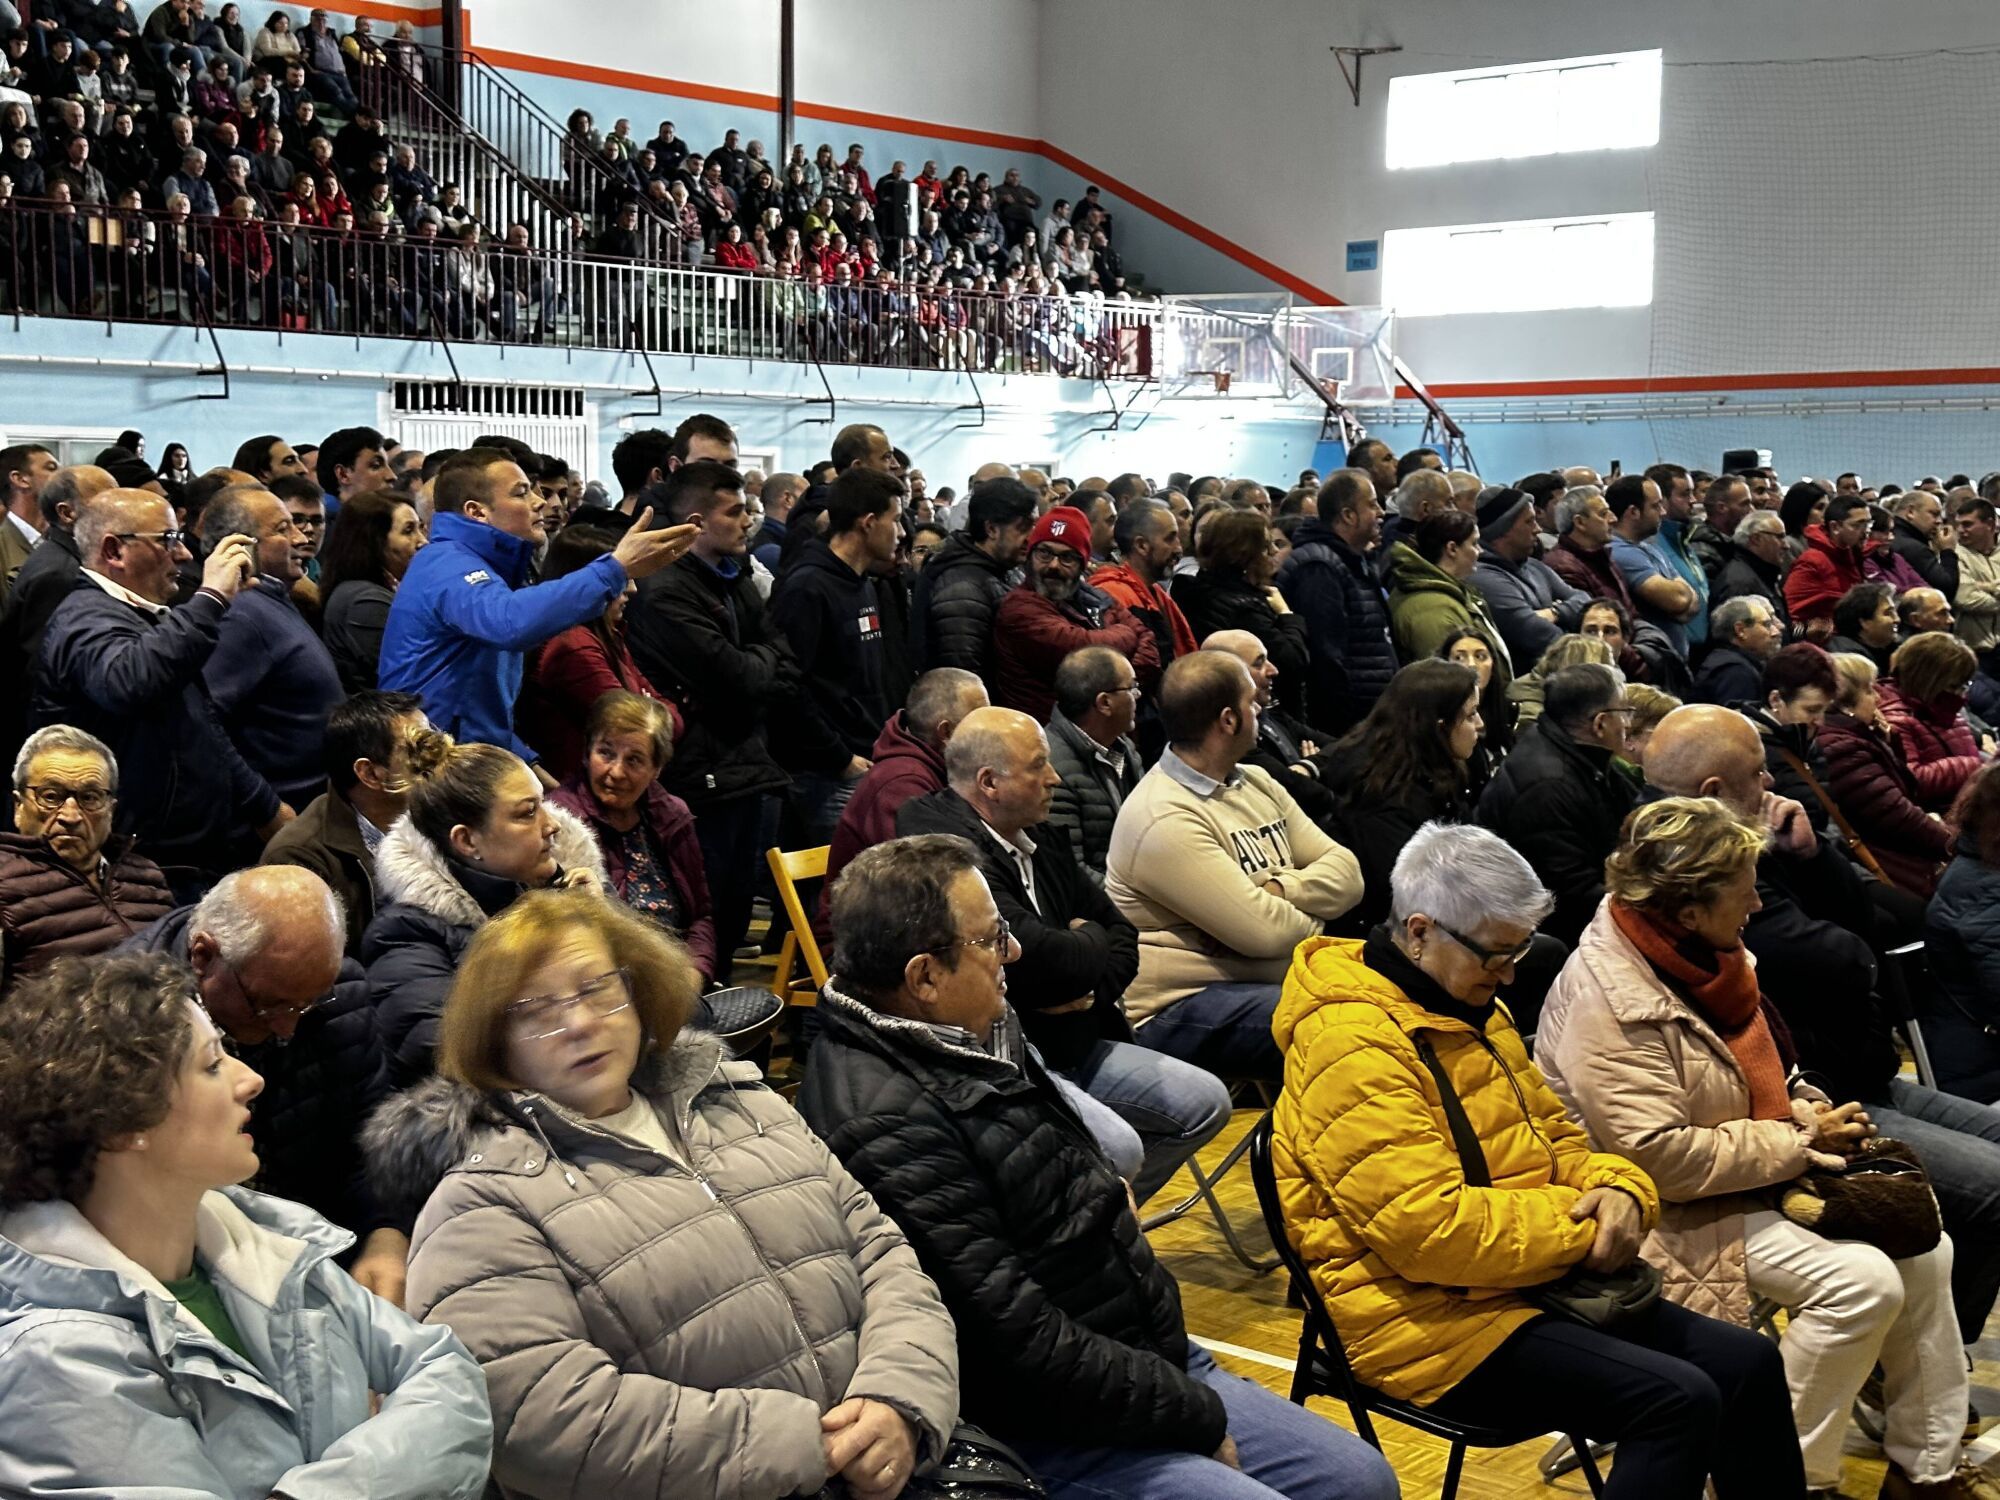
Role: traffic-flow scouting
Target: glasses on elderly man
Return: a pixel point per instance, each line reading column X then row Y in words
column 50, row 799
column 537, row 1018
column 997, row 941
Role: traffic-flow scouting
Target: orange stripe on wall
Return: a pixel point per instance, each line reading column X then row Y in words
column 376, row 11
column 1801, row 380
column 550, row 67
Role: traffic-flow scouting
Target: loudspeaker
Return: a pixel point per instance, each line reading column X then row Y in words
column 1742, row 460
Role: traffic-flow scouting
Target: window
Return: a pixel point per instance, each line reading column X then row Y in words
column 1604, row 103
column 1530, row 265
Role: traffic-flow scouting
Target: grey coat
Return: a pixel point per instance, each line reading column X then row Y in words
column 1514, row 591
column 662, row 1325
column 1084, row 808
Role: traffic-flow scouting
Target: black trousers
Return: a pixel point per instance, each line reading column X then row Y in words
column 729, row 835
column 1685, row 1398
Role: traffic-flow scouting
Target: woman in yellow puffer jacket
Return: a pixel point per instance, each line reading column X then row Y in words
column 1422, row 1271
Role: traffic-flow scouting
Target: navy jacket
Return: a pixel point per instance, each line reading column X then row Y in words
column 832, row 619
column 1961, row 1010
column 1728, row 676
column 1338, row 598
column 274, row 684
column 462, row 622
column 136, row 683
column 951, row 618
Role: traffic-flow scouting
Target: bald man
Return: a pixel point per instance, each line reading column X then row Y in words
column 1286, row 747
column 1817, row 965
column 266, row 949
column 1078, row 953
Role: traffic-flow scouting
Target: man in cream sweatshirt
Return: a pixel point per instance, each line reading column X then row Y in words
column 1223, row 876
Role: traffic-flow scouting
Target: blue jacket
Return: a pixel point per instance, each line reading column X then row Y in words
column 462, row 621
column 274, row 684
column 112, row 1389
column 1333, row 590
column 136, row 683
column 1961, row 1010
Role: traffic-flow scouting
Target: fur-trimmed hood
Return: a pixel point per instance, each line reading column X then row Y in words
column 409, row 868
column 417, row 1137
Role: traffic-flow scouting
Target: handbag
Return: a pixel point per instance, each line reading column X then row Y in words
column 1855, row 842
column 1883, row 1198
column 1608, row 1300
column 976, row 1466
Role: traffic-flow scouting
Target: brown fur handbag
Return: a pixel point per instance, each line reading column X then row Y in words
column 1882, row 1198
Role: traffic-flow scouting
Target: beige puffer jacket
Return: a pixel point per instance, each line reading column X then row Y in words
column 654, row 1325
column 1649, row 1079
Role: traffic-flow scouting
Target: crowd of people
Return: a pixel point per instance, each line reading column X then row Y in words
column 384, row 821
column 173, row 167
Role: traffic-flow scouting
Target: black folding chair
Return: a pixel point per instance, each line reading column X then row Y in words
column 1322, row 1368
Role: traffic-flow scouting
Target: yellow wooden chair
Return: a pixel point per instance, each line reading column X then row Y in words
column 788, row 869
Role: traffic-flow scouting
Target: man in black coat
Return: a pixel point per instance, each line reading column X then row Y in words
column 1070, row 1336
column 43, row 582
column 1333, row 590
column 1926, row 539
column 1743, row 635
column 1293, row 751
column 265, row 947
column 1558, row 798
column 699, row 632
column 117, row 662
column 1753, row 565
column 1078, row 952
column 959, row 590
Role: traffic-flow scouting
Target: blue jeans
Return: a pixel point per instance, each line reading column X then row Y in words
column 1225, row 1028
column 1149, row 1111
column 819, row 801
column 1285, row 1451
column 1959, row 1142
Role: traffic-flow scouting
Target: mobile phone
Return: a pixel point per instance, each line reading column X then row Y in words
column 1617, row 468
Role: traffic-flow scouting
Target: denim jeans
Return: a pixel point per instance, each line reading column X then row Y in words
column 1959, row 1142
column 1286, row 1451
column 819, row 801
column 1161, row 1110
column 1225, row 1028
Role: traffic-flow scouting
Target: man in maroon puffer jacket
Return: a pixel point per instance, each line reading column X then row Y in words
column 1053, row 612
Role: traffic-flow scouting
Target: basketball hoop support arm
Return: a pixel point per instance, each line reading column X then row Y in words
column 1353, row 75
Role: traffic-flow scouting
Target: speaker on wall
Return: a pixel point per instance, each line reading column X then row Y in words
column 1742, row 460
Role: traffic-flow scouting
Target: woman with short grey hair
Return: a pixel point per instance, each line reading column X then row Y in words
column 1431, row 1182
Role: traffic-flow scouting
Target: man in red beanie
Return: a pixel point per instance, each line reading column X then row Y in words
column 1053, row 612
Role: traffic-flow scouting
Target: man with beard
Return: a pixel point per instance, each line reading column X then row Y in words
column 1053, row 612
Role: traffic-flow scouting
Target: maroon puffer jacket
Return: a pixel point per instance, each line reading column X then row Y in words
column 1938, row 745
column 48, row 911
column 1866, row 776
column 1031, row 636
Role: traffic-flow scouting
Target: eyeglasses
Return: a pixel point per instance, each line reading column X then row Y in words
column 89, row 799
column 536, row 1018
column 997, row 942
column 1493, row 960
column 308, row 523
column 1061, row 556
column 169, row 538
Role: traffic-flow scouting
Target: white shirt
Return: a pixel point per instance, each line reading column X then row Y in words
column 638, row 1122
column 1022, row 849
column 34, row 537
column 120, row 592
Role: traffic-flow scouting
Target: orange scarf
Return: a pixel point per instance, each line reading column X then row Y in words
column 1722, row 987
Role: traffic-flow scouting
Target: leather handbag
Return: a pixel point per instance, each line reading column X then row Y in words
column 1597, row 1299
column 1883, row 1198
column 976, row 1466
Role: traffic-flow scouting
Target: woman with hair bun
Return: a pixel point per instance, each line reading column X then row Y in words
column 478, row 833
column 164, row 1331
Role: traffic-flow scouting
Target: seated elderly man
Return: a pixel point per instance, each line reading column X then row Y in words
column 1071, row 1343
column 66, row 886
column 1222, row 873
column 1091, row 747
column 1078, row 952
column 265, row 947
column 1744, row 634
column 1815, row 966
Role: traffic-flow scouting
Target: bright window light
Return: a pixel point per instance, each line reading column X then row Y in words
column 1530, row 265
column 1606, row 103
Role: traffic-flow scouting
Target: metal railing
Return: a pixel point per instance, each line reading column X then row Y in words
column 116, row 265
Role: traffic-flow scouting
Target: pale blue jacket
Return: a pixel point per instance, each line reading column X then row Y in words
column 112, row 1391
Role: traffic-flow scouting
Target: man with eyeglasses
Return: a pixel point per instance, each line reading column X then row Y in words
column 265, row 947
column 1053, row 612
column 61, row 894
column 1071, row 1341
column 1559, row 799
column 115, row 661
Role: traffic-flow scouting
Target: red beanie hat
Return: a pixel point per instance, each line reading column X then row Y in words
column 1066, row 526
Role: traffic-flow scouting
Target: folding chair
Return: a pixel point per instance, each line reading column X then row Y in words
column 1323, row 1370
column 1204, row 1192
column 787, row 870
column 1904, row 973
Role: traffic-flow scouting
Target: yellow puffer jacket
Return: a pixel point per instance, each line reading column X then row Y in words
column 1418, row 1269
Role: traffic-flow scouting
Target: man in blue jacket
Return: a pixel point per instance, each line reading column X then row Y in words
column 464, row 614
column 1331, row 585
column 117, row 662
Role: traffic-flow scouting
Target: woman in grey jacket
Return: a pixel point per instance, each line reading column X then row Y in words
column 673, row 1287
column 162, row 1331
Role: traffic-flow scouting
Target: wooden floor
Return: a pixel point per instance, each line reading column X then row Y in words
column 1242, row 1318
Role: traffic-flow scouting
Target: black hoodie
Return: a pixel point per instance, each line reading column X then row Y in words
column 832, row 619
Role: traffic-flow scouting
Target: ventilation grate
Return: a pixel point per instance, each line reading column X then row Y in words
column 421, row 397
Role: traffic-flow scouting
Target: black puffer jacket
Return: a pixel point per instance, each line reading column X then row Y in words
column 1745, row 575
column 1561, row 804
column 319, row 1089
column 1961, row 1011
column 1084, row 809
column 704, row 641
column 1339, row 600
column 951, row 617
column 1069, row 1331
column 1222, row 599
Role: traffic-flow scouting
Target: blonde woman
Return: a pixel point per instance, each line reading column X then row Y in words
column 673, row 1287
column 1658, row 1040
